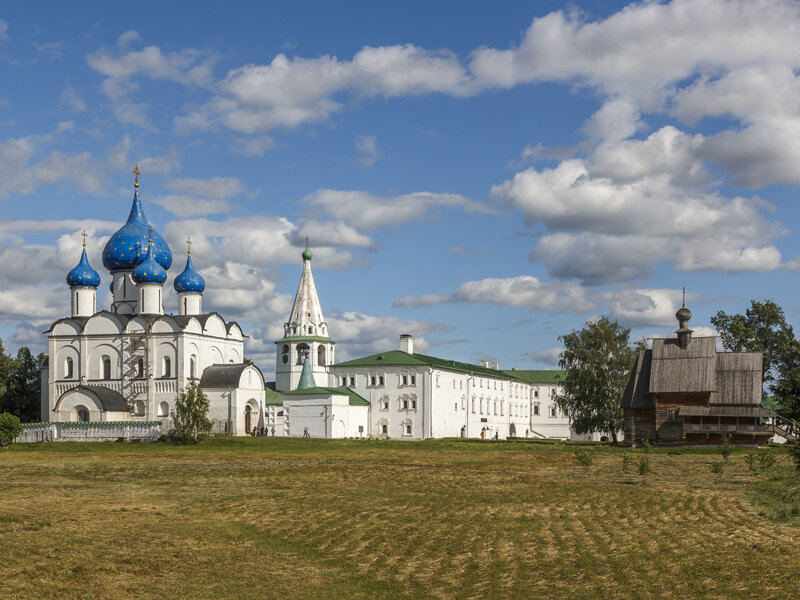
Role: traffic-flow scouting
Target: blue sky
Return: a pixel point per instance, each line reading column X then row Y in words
column 486, row 176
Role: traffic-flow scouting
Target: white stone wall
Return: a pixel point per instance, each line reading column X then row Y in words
column 90, row 432
column 325, row 416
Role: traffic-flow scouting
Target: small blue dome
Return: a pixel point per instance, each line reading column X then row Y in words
column 149, row 271
column 123, row 251
column 83, row 275
column 190, row 281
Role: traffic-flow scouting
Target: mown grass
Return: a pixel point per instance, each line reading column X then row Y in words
column 278, row 518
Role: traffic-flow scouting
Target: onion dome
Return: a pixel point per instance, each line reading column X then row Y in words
column 683, row 314
column 306, row 252
column 123, row 252
column 149, row 271
column 83, row 275
column 190, row 281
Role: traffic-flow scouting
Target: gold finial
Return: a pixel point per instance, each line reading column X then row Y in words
column 84, row 234
column 136, row 173
column 189, row 244
column 306, row 242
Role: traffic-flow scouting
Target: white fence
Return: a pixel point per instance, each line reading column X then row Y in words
column 147, row 431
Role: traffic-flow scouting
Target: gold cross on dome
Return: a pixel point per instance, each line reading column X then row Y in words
column 189, row 244
column 149, row 234
column 306, row 242
column 136, row 173
column 84, row 234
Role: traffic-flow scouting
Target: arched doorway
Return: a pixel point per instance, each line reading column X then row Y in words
column 483, row 433
column 248, row 418
column 512, row 431
column 463, row 430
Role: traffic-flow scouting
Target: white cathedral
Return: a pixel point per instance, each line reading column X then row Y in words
column 130, row 363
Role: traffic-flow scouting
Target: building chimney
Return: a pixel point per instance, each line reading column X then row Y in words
column 407, row 343
column 496, row 366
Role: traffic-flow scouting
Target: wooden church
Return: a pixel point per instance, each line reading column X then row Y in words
column 682, row 391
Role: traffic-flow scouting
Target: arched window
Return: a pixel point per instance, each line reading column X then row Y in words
column 321, row 355
column 140, row 408
column 285, row 354
column 167, row 367
column 81, row 414
column 68, row 368
column 106, row 367
column 140, row 367
column 192, row 367
column 302, row 352
column 163, row 409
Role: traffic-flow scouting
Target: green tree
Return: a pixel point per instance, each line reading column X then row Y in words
column 598, row 360
column 763, row 328
column 10, row 428
column 6, row 369
column 190, row 417
column 23, row 387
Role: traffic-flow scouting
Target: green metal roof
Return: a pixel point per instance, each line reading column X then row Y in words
column 306, row 338
column 540, row 376
column 355, row 399
column 395, row 358
column 271, row 396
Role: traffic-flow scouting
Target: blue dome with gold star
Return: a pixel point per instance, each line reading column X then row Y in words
column 149, row 271
column 83, row 275
column 190, row 281
column 125, row 249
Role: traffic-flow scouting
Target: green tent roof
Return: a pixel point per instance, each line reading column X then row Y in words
column 355, row 399
column 306, row 377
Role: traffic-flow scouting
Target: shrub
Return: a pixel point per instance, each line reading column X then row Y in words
column 718, row 468
column 646, row 446
column 190, row 416
column 627, row 462
column 584, row 457
column 644, row 464
column 725, row 447
column 794, row 450
column 766, row 460
column 752, row 459
column 10, row 428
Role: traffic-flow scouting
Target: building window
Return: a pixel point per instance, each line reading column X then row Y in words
column 404, row 402
column 405, row 379
column 455, row 406
column 192, row 367
column 106, row 367
column 536, row 393
column 302, row 352
column 501, row 408
column 380, row 380
column 321, row 356
column 69, row 368
column 140, row 367
column 163, row 409
column 166, row 367
column 408, row 429
column 82, row 414
column 473, row 404
column 384, row 428
column 414, row 403
column 553, row 410
column 536, row 410
column 384, row 404
column 352, row 381
column 461, row 385
column 373, row 380
column 672, row 415
column 413, row 380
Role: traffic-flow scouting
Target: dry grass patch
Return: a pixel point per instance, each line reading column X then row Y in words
column 285, row 518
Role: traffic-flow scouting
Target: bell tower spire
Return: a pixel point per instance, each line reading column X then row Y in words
column 305, row 334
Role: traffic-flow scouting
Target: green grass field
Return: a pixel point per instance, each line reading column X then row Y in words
column 275, row 518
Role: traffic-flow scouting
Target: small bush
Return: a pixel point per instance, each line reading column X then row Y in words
column 627, row 462
column 766, row 460
column 794, row 450
column 725, row 448
column 10, row 428
column 718, row 468
column 644, row 464
column 646, row 446
column 752, row 459
column 584, row 457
